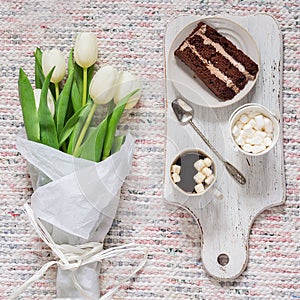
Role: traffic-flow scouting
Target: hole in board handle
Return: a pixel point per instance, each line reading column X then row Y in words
column 223, row 259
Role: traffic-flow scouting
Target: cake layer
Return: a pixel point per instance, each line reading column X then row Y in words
column 204, row 71
column 216, row 61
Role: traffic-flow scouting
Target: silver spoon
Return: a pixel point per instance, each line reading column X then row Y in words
column 185, row 113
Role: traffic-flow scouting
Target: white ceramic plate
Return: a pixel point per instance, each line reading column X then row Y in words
column 184, row 79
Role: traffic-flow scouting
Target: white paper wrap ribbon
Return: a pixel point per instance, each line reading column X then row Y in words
column 72, row 257
column 89, row 189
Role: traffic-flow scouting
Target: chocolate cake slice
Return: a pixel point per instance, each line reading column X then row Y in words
column 215, row 60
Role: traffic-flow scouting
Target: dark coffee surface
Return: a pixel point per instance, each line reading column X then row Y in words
column 186, row 161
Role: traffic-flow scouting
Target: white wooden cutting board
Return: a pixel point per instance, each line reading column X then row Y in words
column 224, row 224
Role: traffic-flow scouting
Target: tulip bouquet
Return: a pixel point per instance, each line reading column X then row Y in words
column 76, row 169
column 61, row 118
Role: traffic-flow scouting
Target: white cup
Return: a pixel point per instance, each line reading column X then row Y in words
column 213, row 168
column 256, row 108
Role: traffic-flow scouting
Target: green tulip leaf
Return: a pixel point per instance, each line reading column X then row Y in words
column 113, row 123
column 77, row 128
column 29, row 111
column 48, row 131
column 117, row 143
column 39, row 75
column 78, row 78
column 110, row 109
column 63, row 102
column 71, row 62
column 69, row 127
column 38, row 54
column 75, row 96
column 91, row 149
column 90, row 74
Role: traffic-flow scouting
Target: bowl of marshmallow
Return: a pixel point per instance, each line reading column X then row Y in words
column 254, row 130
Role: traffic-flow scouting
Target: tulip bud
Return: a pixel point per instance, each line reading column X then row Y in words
column 85, row 49
column 53, row 58
column 102, row 87
column 50, row 100
column 127, row 83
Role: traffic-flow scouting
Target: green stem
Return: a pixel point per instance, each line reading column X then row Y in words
column 84, row 129
column 84, row 89
column 56, row 91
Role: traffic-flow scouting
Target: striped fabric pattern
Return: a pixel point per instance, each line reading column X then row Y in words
column 130, row 35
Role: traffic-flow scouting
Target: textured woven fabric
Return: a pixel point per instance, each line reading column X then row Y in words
column 131, row 36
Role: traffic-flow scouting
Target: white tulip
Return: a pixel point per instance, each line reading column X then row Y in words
column 85, row 49
column 54, row 58
column 50, row 100
column 127, row 83
column 102, row 87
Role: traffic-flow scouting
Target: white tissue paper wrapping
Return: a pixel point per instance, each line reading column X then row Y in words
column 77, row 201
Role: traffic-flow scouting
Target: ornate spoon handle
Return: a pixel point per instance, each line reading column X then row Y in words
column 233, row 171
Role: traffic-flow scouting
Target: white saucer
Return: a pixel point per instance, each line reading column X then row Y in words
column 184, row 79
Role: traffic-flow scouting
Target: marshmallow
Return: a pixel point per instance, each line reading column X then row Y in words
column 235, row 131
column 240, row 141
column 199, row 188
column 268, row 125
column 175, row 177
column 267, row 141
column 247, row 148
column 199, row 177
column 253, row 141
column 249, row 130
column 256, row 140
column 261, row 134
column 199, row 165
column 251, row 122
column 243, row 134
column 259, row 122
column 239, row 124
column 206, row 171
column 175, row 169
column 258, row 148
column 209, row 179
column 244, row 118
column 207, row 161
